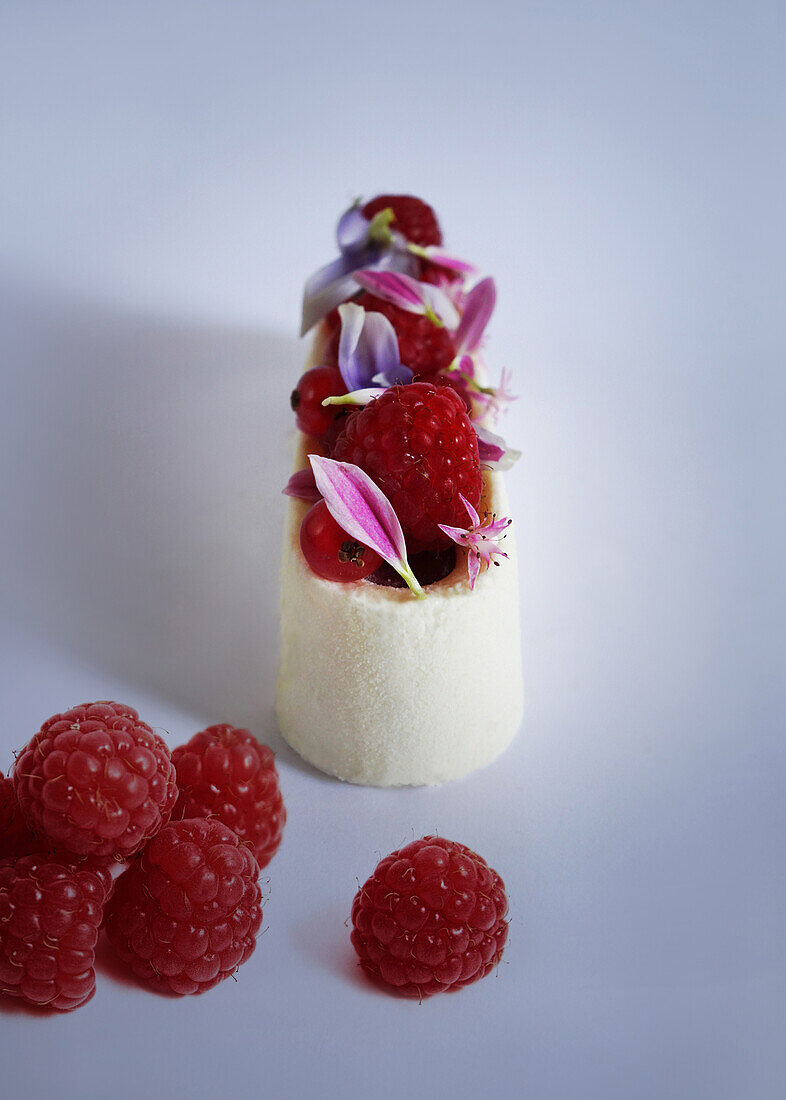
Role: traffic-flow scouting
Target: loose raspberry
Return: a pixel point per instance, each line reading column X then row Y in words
column 225, row 773
column 431, row 918
column 423, row 346
column 412, row 217
column 49, row 920
column 312, row 416
column 16, row 836
column 419, row 446
column 96, row 781
column 186, row 914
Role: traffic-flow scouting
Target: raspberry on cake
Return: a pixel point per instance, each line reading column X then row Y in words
column 431, row 919
column 226, row 774
column 185, row 915
column 96, row 781
column 419, row 446
column 405, row 669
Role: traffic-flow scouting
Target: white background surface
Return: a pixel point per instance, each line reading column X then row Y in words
column 169, row 175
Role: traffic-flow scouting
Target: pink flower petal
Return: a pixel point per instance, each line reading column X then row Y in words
column 441, row 258
column 476, row 315
column 302, row 486
column 364, row 512
column 410, row 294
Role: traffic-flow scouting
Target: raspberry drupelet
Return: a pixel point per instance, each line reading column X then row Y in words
column 50, row 914
column 226, row 774
column 431, row 919
column 96, row 781
column 186, row 913
column 419, row 446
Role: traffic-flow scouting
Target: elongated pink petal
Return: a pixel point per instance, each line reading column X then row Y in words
column 364, row 512
column 302, row 486
column 476, row 315
column 410, row 294
column 393, row 287
column 442, row 258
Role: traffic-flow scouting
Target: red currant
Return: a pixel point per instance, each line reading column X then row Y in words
column 331, row 552
column 313, row 417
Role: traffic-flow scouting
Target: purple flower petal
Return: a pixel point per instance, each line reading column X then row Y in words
column 367, row 346
column 334, row 283
column 494, row 452
column 352, row 229
column 302, row 486
column 477, row 310
column 394, row 376
column 364, row 512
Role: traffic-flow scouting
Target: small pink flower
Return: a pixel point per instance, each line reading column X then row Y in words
column 481, row 540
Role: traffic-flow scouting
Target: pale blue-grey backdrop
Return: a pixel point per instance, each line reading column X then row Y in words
column 169, row 174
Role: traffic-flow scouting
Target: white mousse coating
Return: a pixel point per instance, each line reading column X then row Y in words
column 382, row 689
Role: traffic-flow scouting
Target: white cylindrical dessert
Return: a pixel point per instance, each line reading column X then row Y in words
column 379, row 688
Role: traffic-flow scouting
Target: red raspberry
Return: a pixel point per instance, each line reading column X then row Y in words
column 49, row 919
column 422, row 346
column 96, row 781
column 16, row 837
column 225, row 773
column 413, row 218
column 419, row 446
column 455, row 381
column 431, row 918
column 186, row 913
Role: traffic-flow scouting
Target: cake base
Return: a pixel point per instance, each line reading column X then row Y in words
column 382, row 689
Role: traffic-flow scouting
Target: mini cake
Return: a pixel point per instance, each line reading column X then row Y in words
column 400, row 642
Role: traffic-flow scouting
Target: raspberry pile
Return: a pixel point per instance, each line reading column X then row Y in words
column 96, row 781
column 49, row 919
column 186, row 914
column 16, row 837
column 224, row 773
column 431, row 918
column 419, row 446
column 97, row 786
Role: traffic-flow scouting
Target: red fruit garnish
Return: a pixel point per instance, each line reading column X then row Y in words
column 413, row 218
column 16, row 836
column 455, row 383
column 418, row 445
column 423, row 346
column 312, row 416
column 330, row 551
column 186, row 914
column 226, row 774
column 49, row 920
column 96, row 781
column 431, row 918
